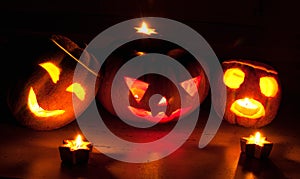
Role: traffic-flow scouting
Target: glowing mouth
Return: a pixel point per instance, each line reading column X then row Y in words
column 159, row 117
column 39, row 111
column 248, row 107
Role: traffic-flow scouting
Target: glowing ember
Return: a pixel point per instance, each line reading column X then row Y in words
column 145, row 30
column 257, row 139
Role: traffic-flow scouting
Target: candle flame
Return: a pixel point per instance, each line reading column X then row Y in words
column 145, row 30
column 140, row 53
column 257, row 139
column 248, row 107
column 247, row 103
column 78, row 141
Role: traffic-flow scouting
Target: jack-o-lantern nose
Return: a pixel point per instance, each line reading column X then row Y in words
column 156, row 104
column 248, row 107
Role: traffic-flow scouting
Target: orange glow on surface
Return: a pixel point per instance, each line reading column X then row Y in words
column 136, row 87
column 257, row 139
column 248, row 107
column 37, row 110
column 76, row 144
column 145, row 30
column 191, row 85
column 52, row 69
column 77, row 89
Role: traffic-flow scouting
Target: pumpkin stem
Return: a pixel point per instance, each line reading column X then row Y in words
column 67, row 52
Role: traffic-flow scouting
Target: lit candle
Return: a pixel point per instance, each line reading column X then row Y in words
column 248, row 107
column 256, row 146
column 75, row 151
column 144, row 29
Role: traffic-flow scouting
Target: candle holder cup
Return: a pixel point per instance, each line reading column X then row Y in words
column 255, row 150
column 74, row 156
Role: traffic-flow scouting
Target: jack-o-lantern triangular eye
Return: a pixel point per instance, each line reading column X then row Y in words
column 52, row 69
column 233, row 78
column 268, row 86
column 191, row 85
column 136, row 87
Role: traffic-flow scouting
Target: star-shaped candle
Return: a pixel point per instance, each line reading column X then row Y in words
column 144, row 29
column 256, row 146
column 75, row 151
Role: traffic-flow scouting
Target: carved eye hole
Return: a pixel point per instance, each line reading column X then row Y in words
column 54, row 73
column 191, row 85
column 268, row 86
column 52, row 70
column 233, row 78
column 136, row 87
column 77, row 89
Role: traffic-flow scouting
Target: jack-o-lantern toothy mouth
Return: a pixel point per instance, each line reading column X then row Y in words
column 39, row 111
column 248, row 107
column 159, row 117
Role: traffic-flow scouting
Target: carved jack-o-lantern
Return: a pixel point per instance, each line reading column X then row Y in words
column 44, row 95
column 253, row 93
column 153, row 97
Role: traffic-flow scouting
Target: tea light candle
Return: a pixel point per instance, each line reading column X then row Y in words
column 75, row 151
column 256, row 146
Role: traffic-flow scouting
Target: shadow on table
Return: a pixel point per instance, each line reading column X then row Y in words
column 257, row 168
column 95, row 168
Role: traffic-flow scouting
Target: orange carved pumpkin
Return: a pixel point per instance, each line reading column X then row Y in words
column 166, row 104
column 43, row 95
column 253, row 92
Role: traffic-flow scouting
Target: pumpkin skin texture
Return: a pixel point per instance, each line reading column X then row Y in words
column 166, row 97
column 43, row 95
column 253, row 93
